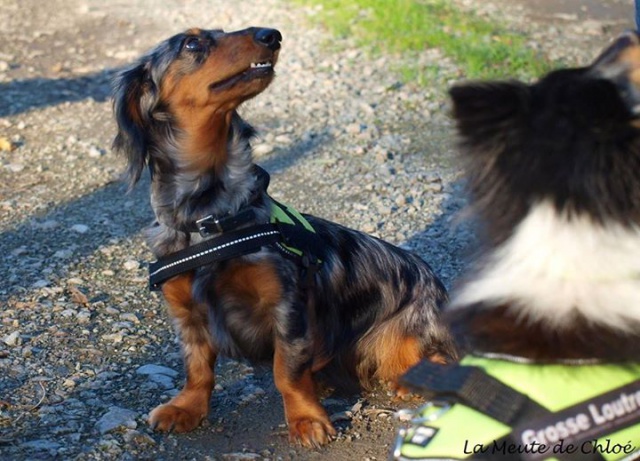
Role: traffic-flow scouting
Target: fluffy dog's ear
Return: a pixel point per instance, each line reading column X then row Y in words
column 620, row 63
column 132, row 101
column 486, row 111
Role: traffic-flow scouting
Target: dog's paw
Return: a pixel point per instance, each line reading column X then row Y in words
column 311, row 433
column 171, row 418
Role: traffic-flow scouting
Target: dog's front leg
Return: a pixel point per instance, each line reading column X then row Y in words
column 308, row 422
column 185, row 411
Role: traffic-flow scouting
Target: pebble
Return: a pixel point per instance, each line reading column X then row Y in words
column 262, row 149
column 83, row 317
column 15, row 167
column 42, row 445
column 63, row 254
column 80, row 228
column 153, row 369
column 138, row 438
column 244, row 456
column 116, row 418
column 96, row 152
column 12, row 339
column 164, row 381
column 113, row 338
column 131, row 265
column 49, row 224
column 129, row 317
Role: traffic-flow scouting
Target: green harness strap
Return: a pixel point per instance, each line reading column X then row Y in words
column 581, row 398
column 281, row 213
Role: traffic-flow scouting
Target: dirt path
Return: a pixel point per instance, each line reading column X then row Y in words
column 85, row 350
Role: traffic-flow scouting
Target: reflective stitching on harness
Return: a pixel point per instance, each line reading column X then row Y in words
column 211, row 250
column 285, row 250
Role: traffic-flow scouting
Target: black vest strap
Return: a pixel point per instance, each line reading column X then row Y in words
column 226, row 246
column 474, row 388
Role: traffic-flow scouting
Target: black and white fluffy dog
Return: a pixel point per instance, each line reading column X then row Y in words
column 549, row 316
column 554, row 173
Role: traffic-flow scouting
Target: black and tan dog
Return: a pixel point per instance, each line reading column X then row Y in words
column 371, row 307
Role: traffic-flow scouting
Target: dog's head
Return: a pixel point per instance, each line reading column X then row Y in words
column 571, row 140
column 187, row 87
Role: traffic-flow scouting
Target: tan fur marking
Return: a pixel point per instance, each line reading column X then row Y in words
column 388, row 353
column 307, row 419
column 185, row 411
column 631, row 56
column 203, row 115
column 255, row 285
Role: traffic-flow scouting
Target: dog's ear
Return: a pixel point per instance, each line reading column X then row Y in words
column 133, row 95
column 486, row 110
column 620, row 64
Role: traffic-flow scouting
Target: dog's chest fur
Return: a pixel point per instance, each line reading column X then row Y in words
column 554, row 267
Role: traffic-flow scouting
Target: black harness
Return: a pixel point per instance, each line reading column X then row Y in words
column 294, row 239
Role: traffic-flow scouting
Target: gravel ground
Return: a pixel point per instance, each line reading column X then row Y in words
column 85, row 350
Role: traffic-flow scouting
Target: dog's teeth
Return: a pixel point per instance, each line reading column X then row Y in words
column 260, row 64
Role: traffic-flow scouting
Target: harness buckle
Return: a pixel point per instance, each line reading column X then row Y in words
column 204, row 223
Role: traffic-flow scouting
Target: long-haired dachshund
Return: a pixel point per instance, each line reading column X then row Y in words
column 371, row 308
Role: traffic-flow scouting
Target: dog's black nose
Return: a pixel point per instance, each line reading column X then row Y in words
column 270, row 38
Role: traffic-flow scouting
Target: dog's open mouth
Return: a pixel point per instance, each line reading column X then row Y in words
column 258, row 69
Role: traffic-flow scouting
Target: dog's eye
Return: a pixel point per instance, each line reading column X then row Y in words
column 193, row 44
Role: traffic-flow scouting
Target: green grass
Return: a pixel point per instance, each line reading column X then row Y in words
column 481, row 48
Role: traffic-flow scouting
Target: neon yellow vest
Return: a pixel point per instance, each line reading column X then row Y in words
column 460, row 431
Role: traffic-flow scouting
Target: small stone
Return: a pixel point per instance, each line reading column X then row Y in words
column 114, row 338
column 433, row 187
column 63, row 254
column 41, row 445
column 138, row 438
column 15, row 167
column 152, row 369
column 80, row 228
column 84, row 316
column 369, row 228
column 12, row 339
column 283, row 139
column 68, row 313
column 130, row 317
column 115, row 418
column 131, row 265
column 263, row 149
column 241, row 456
column 164, row 381
column 96, row 152
column 4, row 66
column 353, row 128
column 49, row 224
column 6, row 145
